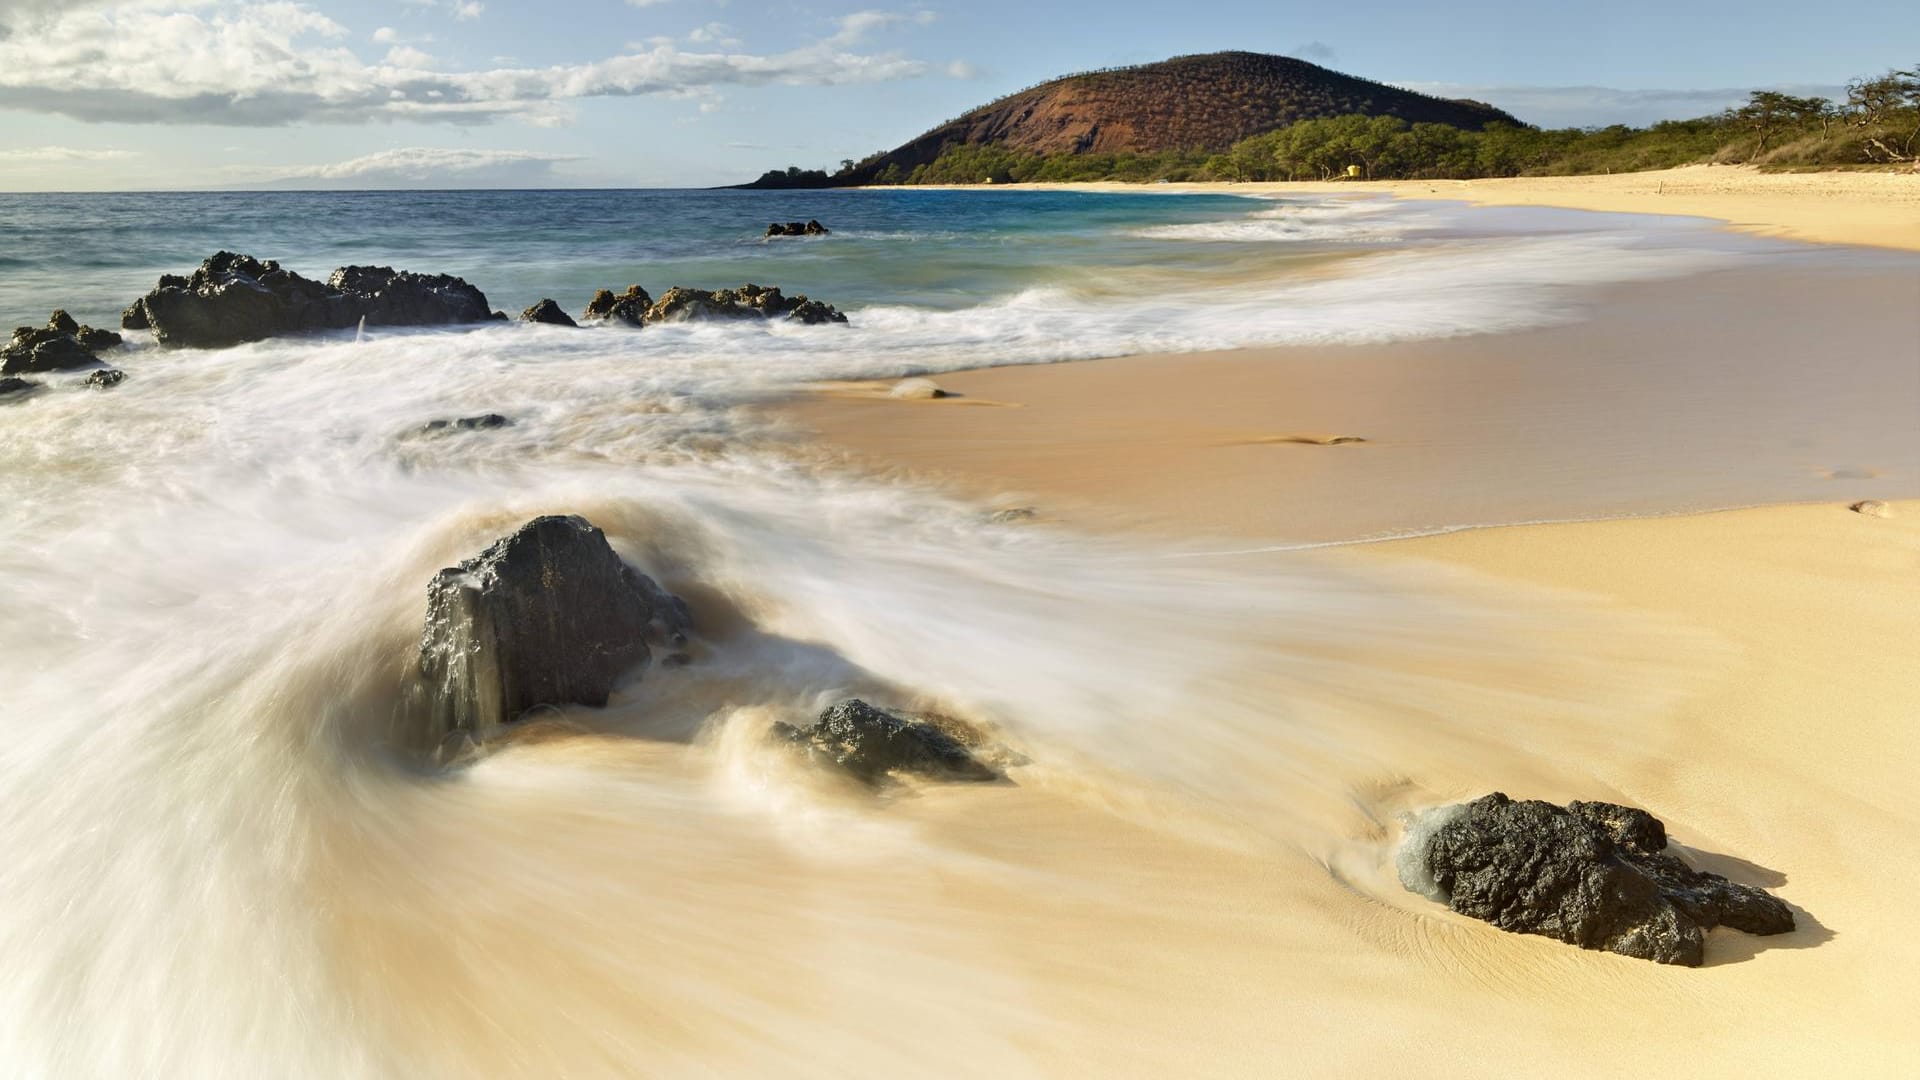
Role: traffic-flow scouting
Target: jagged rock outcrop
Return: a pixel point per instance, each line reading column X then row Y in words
column 549, row 312
column 747, row 301
column 798, row 228
column 61, row 345
column 546, row 616
column 236, row 298
column 870, row 743
column 629, row 308
column 1590, row 874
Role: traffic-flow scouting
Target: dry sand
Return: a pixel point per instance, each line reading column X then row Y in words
column 1874, row 208
column 1779, row 750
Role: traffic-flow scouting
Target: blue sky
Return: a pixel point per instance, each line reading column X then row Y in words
column 119, row 94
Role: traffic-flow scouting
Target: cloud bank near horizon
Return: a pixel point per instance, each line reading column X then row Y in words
column 267, row 63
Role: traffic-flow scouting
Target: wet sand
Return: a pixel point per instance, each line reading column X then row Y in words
column 1747, row 675
column 1734, row 389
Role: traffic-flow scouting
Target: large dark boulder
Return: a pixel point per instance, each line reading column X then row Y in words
column 747, row 301
column 629, row 308
column 546, row 616
column 236, row 298
column 871, row 743
column 797, row 228
column 1594, row 875
column 549, row 312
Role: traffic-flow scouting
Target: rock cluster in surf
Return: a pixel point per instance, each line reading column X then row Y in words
column 547, row 616
column 1591, row 874
column 234, row 298
column 678, row 304
column 61, row 345
column 870, row 743
column 797, row 228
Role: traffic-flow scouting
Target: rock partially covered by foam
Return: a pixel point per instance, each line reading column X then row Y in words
column 61, row 345
column 747, row 301
column 1590, row 874
column 628, row 308
column 547, row 616
column 236, row 298
column 871, row 743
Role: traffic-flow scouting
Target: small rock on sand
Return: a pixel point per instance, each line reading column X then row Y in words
column 1873, row 508
column 917, row 390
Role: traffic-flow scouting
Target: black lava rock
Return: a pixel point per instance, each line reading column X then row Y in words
column 466, row 423
column 1590, row 874
column 235, row 298
column 106, row 378
column 549, row 312
column 629, row 308
column 12, row 385
column 546, row 616
column 745, row 302
column 797, row 228
column 61, row 345
column 870, row 743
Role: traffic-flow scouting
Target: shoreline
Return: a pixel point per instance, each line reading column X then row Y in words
column 1866, row 208
column 1670, row 397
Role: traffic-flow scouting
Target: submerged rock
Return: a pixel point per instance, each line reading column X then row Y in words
column 870, row 743
column 11, row 386
column 747, row 301
column 629, row 308
column 546, row 616
column 917, row 389
column 466, row 423
column 236, row 298
column 1594, row 875
column 797, row 228
column 549, row 312
column 106, row 378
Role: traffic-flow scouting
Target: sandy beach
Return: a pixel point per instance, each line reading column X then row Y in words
column 1878, row 208
column 1745, row 674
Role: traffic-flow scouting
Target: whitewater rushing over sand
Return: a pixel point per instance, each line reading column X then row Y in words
column 231, row 851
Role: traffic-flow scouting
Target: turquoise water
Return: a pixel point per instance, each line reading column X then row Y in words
column 97, row 252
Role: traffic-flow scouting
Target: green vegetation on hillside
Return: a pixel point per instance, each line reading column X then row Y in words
column 1878, row 123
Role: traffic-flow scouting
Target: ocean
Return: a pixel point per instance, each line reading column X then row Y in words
column 232, row 850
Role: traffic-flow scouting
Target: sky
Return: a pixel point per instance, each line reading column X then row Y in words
column 166, row 94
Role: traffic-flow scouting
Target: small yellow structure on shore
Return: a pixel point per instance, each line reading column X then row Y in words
column 1353, row 172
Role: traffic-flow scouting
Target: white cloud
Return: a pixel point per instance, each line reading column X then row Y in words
column 272, row 62
column 62, row 153
column 714, row 33
column 470, row 10
column 645, row 3
column 1600, row 106
column 960, row 69
column 408, row 57
column 415, row 166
